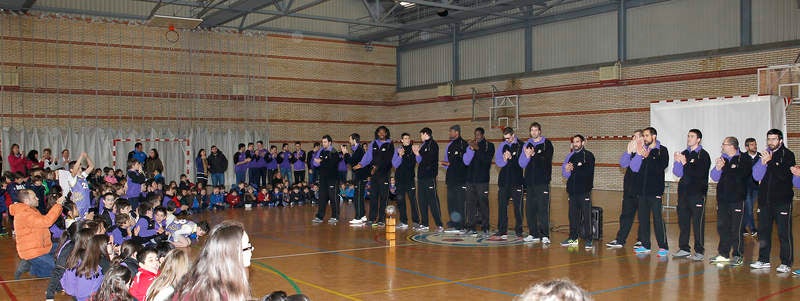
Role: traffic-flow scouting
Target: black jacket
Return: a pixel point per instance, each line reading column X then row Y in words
column 428, row 167
column 217, row 163
column 652, row 171
column 732, row 184
column 478, row 170
column 694, row 181
column 404, row 174
column 329, row 167
column 581, row 179
column 457, row 170
column 539, row 170
column 352, row 159
column 776, row 186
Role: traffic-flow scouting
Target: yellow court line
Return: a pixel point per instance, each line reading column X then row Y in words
column 485, row 277
column 311, row 285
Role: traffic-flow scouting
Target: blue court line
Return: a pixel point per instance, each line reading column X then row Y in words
column 386, row 266
column 614, row 289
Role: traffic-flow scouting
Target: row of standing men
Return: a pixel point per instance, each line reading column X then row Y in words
column 526, row 166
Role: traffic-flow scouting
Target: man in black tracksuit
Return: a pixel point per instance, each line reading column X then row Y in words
column 650, row 162
column 631, row 187
column 404, row 163
column 578, row 169
column 510, row 182
column 353, row 156
column 775, row 195
column 691, row 165
column 477, row 196
column 328, row 162
column 427, row 156
column 457, row 158
column 732, row 172
column 537, row 160
column 379, row 155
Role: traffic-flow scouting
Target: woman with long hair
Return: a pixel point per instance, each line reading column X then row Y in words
column 153, row 163
column 115, row 286
column 220, row 271
column 85, row 267
column 201, row 167
column 176, row 264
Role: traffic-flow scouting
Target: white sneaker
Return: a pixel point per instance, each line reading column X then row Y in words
column 402, row 226
column 681, row 254
column 333, row 220
column 614, row 244
column 356, row 221
column 423, row 228
column 760, row 265
column 528, row 238
column 783, row 269
column 364, row 219
column 545, row 240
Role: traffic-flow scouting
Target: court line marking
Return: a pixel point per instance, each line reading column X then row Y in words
column 258, row 266
column 387, row 266
column 665, row 279
column 22, row 280
column 488, row 276
column 762, row 298
column 8, row 290
column 281, row 274
column 328, row 252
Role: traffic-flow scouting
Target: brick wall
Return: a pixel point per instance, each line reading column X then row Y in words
column 570, row 103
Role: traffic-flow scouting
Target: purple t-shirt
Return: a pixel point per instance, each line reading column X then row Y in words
column 81, row 195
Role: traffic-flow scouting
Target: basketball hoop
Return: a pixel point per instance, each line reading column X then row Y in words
column 171, row 35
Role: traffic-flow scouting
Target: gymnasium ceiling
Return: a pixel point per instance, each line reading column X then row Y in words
column 392, row 21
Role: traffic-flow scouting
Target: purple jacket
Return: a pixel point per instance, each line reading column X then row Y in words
column 300, row 158
column 241, row 167
column 272, row 164
column 285, row 162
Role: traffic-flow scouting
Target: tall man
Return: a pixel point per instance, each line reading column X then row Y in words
column 732, row 171
column 457, row 157
column 631, row 187
column 327, row 160
column 537, row 160
column 650, row 162
column 749, row 225
column 578, row 169
column 379, row 155
column 510, row 183
column 775, row 195
column 404, row 163
column 477, row 196
column 692, row 165
column 353, row 156
column 427, row 156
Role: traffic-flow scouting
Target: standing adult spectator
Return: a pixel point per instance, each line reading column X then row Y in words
column 217, row 165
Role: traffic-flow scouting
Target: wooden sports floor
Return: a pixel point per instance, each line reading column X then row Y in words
column 338, row 262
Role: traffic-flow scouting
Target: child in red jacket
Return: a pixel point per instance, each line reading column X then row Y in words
column 148, row 270
column 233, row 199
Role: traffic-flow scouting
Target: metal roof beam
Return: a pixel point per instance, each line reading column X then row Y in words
column 495, row 7
column 289, row 12
column 304, row 16
column 243, row 7
column 536, row 20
